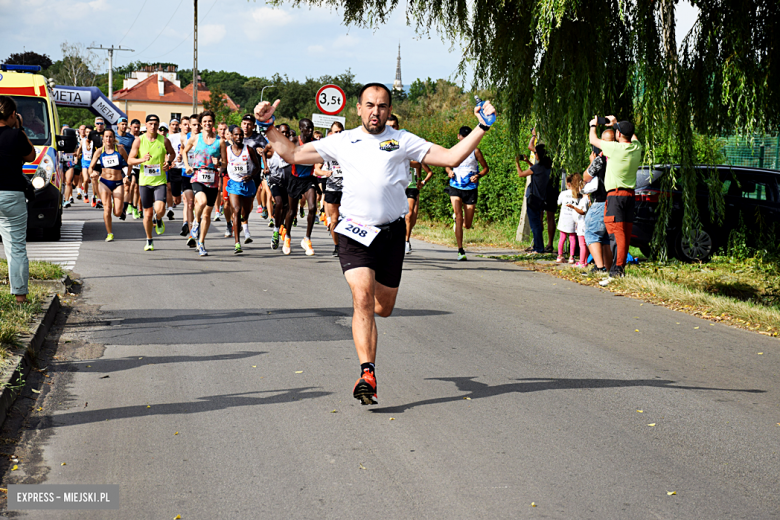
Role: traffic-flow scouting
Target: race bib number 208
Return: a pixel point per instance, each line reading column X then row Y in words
column 362, row 233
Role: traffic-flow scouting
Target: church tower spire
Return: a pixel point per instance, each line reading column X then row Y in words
column 397, row 84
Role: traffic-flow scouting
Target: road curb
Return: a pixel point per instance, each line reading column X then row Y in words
column 58, row 286
column 18, row 366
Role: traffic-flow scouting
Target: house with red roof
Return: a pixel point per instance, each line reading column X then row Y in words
column 157, row 90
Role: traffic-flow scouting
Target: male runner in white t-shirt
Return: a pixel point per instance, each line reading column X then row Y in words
column 375, row 164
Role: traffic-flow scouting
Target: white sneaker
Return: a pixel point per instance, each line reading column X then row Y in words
column 306, row 245
column 408, row 247
column 605, row 281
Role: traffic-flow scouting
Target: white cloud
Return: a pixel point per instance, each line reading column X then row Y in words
column 346, row 41
column 315, row 49
column 210, row 34
column 271, row 18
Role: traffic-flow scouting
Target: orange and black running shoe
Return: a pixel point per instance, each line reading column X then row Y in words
column 365, row 388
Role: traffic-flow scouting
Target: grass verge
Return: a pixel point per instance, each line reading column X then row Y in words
column 38, row 270
column 482, row 234
column 744, row 294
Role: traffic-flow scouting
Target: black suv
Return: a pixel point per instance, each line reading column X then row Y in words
column 751, row 192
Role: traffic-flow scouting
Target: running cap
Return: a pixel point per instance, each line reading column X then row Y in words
column 163, row 126
column 248, row 117
column 152, row 117
column 99, row 121
column 625, row 128
column 174, row 120
column 375, row 85
column 65, row 125
column 464, row 131
column 122, row 120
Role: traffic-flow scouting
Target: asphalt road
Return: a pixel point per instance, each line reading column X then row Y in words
column 229, row 393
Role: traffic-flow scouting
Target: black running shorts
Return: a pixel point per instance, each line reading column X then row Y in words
column 211, row 193
column 297, row 186
column 412, row 193
column 174, row 177
column 333, row 197
column 385, row 255
column 152, row 194
column 279, row 190
column 186, row 183
column 468, row 197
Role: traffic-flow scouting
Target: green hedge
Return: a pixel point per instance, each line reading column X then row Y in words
column 500, row 192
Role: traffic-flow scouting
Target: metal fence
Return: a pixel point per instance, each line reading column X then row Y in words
column 757, row 151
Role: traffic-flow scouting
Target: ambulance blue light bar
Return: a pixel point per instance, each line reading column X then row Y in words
column 21, row 68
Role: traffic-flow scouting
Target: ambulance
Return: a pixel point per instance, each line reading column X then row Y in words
column 35, row 103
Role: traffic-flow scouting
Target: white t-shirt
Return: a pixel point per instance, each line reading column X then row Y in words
column 175, row 140
column 567, row 220
column 375, row 171
column 580, row 219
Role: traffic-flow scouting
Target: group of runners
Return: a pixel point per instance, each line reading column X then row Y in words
column 363, row 183
column 215, row 170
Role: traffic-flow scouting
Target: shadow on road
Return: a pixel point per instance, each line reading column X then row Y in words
column 477, row 390
column 202, row 404
column 103, row 366
column 175, row 327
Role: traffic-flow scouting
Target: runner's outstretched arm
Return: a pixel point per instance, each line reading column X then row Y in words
column 440, row 156
column 292, row 153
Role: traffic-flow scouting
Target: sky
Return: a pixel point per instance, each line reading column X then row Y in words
column 246, row 36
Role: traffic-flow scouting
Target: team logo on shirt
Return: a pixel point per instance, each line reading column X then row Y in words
column 390, row 145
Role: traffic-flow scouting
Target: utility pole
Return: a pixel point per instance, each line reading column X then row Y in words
column 110, row 66
column 195, row 64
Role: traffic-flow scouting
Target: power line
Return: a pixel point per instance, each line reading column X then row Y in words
column 132, row 24
column 163, row 29
column 186, row 37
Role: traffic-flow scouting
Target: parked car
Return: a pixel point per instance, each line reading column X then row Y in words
column 752, row 193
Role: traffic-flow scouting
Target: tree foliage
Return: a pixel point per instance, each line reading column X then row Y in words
column 217, row 104
column 562, row 61
column 30, row 58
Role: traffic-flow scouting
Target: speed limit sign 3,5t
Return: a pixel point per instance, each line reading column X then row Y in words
column 331, row 100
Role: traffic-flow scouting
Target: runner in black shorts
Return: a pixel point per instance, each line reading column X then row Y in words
column 464, row 184
column 302, row 184
column 375, row 163
column 330, row 171
column 276, row 172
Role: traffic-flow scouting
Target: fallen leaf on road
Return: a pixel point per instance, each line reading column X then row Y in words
column 362, row 466
column 148, row 406
column 63, row 464
column 678, row 323
column 636, row 330
column 104, row 377
column 760, row 353
column 533, row 504
column 467, row 398
column 254, row 366
column 334, row 411
column 140, row 357
column 299, row 371
column 651, row 424
column 35, row 391
column 177, row 517
column 177, row 433
column 695, row 328
column 15, row 467
column 89, row 366
column 40, row 408
column 640, row 411
column 392, row 418
column 670, row 493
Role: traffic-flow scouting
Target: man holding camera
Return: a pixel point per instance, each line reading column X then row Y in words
column 624, row 156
